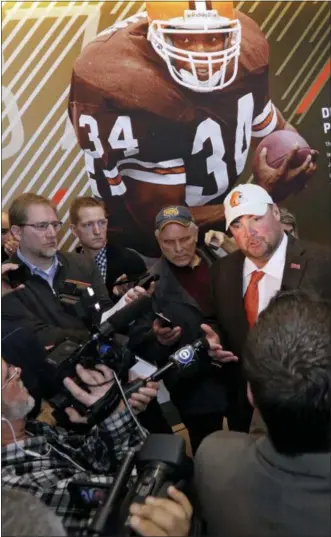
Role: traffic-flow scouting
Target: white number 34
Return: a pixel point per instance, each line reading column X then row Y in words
column 121, row 136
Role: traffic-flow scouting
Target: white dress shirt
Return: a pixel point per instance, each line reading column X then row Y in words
column 271, row 282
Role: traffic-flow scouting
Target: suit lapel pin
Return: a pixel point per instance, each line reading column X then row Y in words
column 295, row 266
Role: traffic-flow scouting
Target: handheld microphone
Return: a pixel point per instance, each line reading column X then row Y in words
column 122, row 318
column 186, row 360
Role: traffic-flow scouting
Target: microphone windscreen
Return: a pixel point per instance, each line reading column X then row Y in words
column 122, row 318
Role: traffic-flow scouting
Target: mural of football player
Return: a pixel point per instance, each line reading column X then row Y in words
column 166, row 106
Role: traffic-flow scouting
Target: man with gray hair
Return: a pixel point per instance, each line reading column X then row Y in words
column 182, row 295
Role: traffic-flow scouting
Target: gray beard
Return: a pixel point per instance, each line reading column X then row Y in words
column 19, row 411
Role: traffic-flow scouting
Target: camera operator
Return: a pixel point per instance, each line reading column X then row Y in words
column 278, row 484
column 45, row 460
column 34, row 223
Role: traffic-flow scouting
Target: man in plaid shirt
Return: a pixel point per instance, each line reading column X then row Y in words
column 44, row 460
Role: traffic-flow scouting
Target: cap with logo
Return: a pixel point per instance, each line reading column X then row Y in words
column 246, row 200
column 174, row 214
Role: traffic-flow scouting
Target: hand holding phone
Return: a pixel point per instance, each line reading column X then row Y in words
column 164, row 321
column 13, row 276
column 146, row 280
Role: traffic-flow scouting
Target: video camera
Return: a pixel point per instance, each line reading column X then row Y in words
column 104, row 347
column 160, row 463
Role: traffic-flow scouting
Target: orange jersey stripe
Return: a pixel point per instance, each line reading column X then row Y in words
column 115, row 180
column 160, row 171
column 264, row 123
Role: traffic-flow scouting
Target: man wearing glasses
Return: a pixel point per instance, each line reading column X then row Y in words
column 89, row 224
column 45, row 460
column 34, row 223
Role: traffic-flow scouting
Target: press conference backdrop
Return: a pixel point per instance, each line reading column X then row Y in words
column 40, row 41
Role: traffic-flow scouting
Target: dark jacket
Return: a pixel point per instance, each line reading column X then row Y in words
column 247, row 489
column 307, row 266
column 37, row 308
column 120, row 261
column 202, row 394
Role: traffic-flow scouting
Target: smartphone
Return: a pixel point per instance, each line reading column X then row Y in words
column 18, row 276
column 146, row 280
column 164, row 321
column 132, row 279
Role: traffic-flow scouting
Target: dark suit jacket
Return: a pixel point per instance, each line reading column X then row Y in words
column 247, row 489
column 307, row 266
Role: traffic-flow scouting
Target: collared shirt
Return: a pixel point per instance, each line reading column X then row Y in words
column 271, row 283
column 48, row 477
column 47, row 275
column 101, row 261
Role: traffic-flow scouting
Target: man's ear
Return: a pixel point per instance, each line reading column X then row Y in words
column 276, row 212
column 73, row 230
column 250, row 395
column 157, row 233
column 16, row 231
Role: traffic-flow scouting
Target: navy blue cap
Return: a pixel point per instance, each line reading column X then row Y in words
column 173, row 214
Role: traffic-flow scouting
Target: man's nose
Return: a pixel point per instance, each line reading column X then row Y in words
column 50, row 232
column 178, row 247
column 197, row 47
column 96, row 229
column 250, row 229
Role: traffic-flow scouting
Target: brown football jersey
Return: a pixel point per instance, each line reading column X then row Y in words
column 149, row 142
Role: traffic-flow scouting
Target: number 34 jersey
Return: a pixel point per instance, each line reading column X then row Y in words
column 149, row 142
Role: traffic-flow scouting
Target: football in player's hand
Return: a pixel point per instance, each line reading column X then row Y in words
column 279, row 144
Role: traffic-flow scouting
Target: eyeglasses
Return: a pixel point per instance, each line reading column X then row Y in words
column 13, row 375
column 43, row 226
column 88, row 226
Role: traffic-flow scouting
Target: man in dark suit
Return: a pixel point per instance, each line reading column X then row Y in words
column 277, row 260
column 280, row 483
column 89, row 224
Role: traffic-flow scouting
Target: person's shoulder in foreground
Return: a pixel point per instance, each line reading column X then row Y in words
column 278, row 484
column 245, row 488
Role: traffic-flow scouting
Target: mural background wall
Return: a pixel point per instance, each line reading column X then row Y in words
column 40, row 41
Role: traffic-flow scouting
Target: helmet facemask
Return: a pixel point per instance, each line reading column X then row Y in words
column 161, row 35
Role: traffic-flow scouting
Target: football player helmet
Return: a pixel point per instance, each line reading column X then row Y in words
column 170, row 19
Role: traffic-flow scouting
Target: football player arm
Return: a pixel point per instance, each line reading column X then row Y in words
column 285, row 180
column 208, row 215
column 281, row 124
